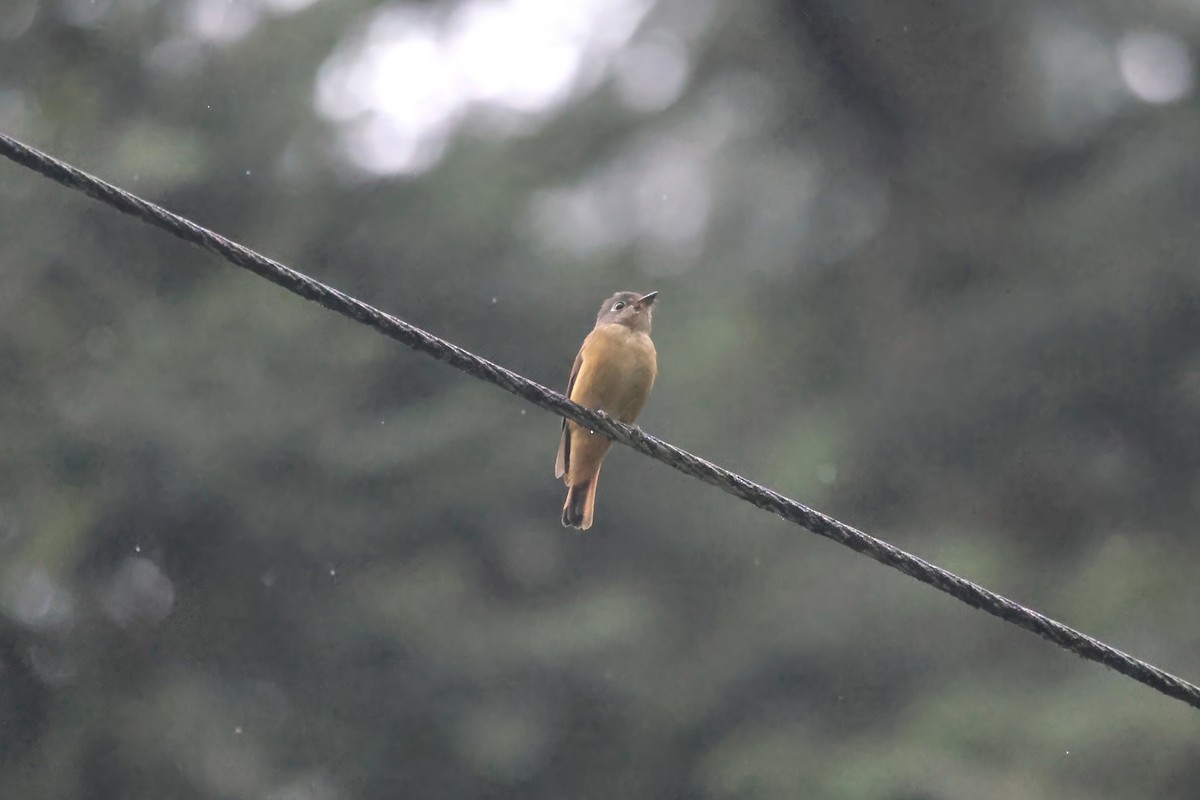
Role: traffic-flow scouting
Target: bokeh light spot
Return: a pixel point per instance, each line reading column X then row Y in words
column 1155, row 67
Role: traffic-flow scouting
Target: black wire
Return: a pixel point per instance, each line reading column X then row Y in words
column 959, row 588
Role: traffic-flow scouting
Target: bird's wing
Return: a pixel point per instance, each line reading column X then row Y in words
column 563, row 462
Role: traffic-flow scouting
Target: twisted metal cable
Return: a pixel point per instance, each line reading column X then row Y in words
column 757, row 495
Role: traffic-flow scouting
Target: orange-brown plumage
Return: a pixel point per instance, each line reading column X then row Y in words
column 613, row 373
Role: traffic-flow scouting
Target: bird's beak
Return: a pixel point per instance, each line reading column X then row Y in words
column 646, row 299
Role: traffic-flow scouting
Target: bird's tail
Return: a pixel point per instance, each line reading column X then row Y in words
column 580, row 504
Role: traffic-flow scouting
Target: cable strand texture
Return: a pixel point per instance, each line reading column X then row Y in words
column 757, row 495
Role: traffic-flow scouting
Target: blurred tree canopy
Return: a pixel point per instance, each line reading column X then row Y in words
column 927, row 266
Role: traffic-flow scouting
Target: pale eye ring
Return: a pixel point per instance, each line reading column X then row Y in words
column 617, row 306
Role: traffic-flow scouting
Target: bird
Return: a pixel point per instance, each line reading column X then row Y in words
column 613, row 375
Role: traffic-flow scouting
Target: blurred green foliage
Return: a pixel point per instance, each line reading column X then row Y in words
column 928, row 267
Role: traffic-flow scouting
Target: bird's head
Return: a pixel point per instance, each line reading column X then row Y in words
column 631, row 309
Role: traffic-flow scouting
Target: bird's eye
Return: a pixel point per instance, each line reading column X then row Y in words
column 617, row 306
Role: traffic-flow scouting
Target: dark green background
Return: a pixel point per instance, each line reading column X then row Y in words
column 929, row 267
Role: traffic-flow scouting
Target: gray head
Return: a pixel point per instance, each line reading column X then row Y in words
column 631, row 309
